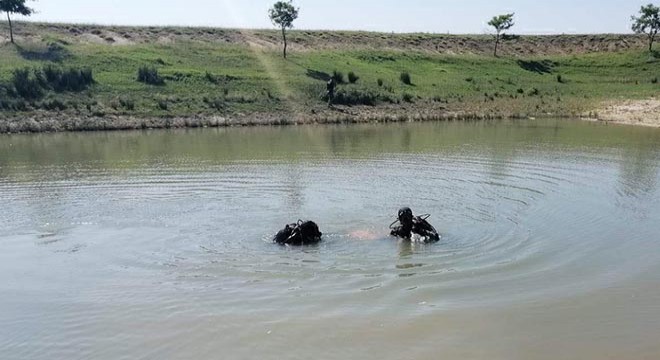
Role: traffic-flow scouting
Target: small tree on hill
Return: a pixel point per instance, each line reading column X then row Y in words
column 14, row 7
column 501, row 23
column 647, row 23
column 282, row 14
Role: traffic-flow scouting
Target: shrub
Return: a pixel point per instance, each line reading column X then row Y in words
column 408, row 98
column 355, row 97
column 654, row 80
column 352, row 78
column 387, row 98
column 405, row 78
column 380, row 82
column 216, row 103
column 269, row 95
column 85, row 76
column 162, row 104
column 520, row 91
column 72, row 79
column 26, row 86
column 212, row 78
column 149, row 75
column 338, row 76
column 534, row 92
column 560, row 79
column 15, row 105
column 51, row 73
column 127, row 103
column 54, row 104
column 20, row 105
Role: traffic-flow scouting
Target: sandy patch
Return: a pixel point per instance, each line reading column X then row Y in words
column 632, row 112
column 92, row 38
column 165, row 40
column 107, row 38
column 117, row 39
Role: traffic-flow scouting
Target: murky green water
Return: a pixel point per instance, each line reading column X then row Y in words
column 154, row 245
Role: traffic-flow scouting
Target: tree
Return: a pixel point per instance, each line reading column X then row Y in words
column 14, row 7
column 501, row 23
column 282, row 14
column 648, row 23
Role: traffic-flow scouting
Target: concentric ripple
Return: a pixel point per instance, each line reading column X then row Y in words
column 118, row 227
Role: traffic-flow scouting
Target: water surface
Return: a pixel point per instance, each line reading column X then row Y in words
column 148, row 245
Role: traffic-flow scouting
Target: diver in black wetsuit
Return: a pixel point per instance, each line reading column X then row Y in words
column 408, row 224
column 300, row 233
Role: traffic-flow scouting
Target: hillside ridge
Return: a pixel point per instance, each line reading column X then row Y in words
column 301, row 40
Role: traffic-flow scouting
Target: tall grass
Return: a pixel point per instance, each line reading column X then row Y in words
column 338, row 76
column 34, row 83
column 25, row 85
column 68, row 80
column 149, row 75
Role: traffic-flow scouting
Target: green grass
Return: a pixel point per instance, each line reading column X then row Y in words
column 208, row 78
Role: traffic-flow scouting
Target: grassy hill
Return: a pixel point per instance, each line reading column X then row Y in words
column 219, row 76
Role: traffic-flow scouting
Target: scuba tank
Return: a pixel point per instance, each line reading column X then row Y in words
column 300, row 233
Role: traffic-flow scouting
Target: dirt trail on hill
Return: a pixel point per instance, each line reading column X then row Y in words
column 302, row 40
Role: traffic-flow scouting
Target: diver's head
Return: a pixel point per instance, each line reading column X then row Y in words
column 405, row 216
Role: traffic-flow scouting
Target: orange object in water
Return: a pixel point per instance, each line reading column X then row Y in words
column 364, row 235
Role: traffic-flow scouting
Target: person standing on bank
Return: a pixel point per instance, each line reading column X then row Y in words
column 331, row 86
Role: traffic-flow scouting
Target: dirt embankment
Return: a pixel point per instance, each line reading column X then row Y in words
column 629, row 112
column 305, row 40
column 56, row 122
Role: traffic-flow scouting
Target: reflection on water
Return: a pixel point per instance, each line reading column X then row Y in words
column 156, row 244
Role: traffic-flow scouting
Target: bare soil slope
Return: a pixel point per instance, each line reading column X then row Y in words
column 302, row 40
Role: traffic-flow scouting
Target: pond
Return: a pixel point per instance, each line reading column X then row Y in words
column 156, row 244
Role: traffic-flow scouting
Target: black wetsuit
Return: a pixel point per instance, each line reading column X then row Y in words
column 409, row 225
column 301, row 233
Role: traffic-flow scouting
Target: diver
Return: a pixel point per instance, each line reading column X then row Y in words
column 408, row 225
column 330, row 87
column 298, row 234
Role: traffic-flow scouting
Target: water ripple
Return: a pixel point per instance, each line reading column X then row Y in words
column 189, row 234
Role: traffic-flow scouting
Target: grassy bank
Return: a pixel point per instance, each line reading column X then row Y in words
column 240, row 77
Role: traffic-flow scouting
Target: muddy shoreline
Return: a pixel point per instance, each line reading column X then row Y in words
column 44, row 123
column 628, row 112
